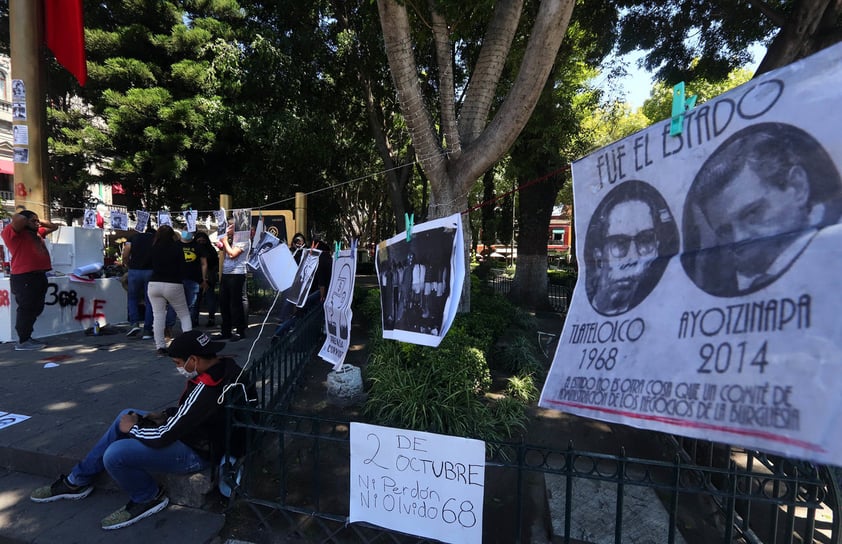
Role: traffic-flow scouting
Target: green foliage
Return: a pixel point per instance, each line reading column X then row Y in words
column 566, row 277
column 519, row 356
column 367, row 303
column 522, row 388
column 444, row 389
column 659, row 104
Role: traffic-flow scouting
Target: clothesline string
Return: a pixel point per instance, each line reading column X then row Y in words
column 470, row 209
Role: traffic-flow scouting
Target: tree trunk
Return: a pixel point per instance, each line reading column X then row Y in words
column 529, row 287
column 453, row 170
column 812, row 26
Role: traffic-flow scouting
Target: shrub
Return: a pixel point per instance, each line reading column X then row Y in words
column 519, row 357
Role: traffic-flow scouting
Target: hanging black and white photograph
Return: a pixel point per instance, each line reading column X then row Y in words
column 142, row 220
column 190, row 218
column 164, row 218
column 221, row 222
column 241, row 220
column 297, row 293
column 337, row 307
column 263, row 243
column 89, row 219
column 421, row 281
column 119, row 219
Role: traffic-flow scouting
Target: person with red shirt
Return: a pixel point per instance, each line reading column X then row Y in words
column 30, row 262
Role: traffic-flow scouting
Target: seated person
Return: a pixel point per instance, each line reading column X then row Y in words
column 182, row 439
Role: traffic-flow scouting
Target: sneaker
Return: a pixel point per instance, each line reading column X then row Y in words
column 235, row 338
column 61, row 489
column 29, row 345
column 133, row 331
column 134, row 512
column 147, row 335
column 162, row 352
column 168, row 333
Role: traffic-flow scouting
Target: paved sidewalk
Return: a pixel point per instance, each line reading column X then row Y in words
column 71, row 391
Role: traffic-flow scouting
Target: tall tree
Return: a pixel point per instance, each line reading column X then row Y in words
column 465, row 141
column 550, row 141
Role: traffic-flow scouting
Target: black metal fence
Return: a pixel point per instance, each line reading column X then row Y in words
column 295, row 479
column 559, row 295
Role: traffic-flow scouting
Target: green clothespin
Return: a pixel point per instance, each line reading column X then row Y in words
column 336, row 246
column 680, row 104
column 410, row 220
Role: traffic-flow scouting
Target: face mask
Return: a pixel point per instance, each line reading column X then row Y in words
column 186, row 373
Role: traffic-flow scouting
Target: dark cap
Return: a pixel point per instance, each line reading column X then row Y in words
column 194, row 342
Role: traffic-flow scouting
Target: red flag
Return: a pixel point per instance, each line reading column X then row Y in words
column 65, row 35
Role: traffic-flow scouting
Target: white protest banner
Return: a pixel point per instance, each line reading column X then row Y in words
column 337, row 307
column 419, row 483
column 708, row 296
column 421, row 281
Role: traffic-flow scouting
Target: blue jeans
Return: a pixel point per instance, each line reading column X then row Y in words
column 191, row 295
column 129, row 462
column 138, row 284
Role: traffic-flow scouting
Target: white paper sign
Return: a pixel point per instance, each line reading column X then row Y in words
column 278, row 266
column 20, row 135
column 7, row 419
column 708, row 296
column 337, row 307
column 423, row 484
column 421, row 281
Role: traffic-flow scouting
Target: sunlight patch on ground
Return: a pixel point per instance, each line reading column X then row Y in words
column 99, row 388
column 61, row 406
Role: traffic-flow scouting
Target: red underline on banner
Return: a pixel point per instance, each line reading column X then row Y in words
column 708, row 426
column 524, row 186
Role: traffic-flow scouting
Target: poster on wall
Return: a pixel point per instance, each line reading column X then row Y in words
column 421, row 281
column 708, row 294
column 21, row 155
column 337, row 307
column 20, row 135
column 423, row 484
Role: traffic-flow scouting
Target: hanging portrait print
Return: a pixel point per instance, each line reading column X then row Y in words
column 707, row 302
column 421, row 281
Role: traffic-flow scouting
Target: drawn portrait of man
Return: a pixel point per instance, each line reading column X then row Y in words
column 755, row 205
column 631, row 237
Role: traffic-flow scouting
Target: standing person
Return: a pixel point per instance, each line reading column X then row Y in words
column 179, row 440
column 136, row 252
column 30, row 262
column 211, row 277
column 166, row 285
column 232, row 289
column 195, row 273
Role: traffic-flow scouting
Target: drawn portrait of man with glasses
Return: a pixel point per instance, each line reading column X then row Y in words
column 630, row 239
